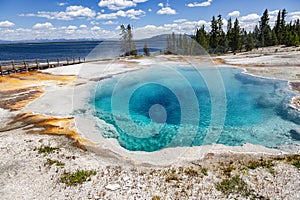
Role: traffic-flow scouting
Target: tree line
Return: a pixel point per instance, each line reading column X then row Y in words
column 216, row 41
column 236, row 39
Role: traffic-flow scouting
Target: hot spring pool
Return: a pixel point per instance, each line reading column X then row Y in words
column 162, row 107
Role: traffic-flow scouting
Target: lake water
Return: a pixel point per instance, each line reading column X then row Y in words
column 64, row 50
column 28, row 51
column 163, row 107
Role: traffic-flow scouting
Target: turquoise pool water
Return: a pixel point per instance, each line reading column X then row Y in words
column 183, row 106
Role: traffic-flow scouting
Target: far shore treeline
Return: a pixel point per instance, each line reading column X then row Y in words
column 237, row 39
column 217, row 41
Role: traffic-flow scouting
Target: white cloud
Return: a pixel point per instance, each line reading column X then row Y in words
column 166, row 11
column 45, row 25
column 273, row 12
column 109, row 22
column 250, row 17
column 6, row 24
column 96, row 28
column 181, row 26
column 72, row 27
column 71, row 13
column 62, row 3
column 94, row 22
column 132, row 14
column 248, row 22
column 82, row 26
column 234, row 14
column 119, row 4
column 197, row 4
column 294, row 15
column 67, row 32
column 161, row 5
column 180, row 20
column 149, row 10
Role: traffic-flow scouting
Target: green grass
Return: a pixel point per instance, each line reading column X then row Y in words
column 204, row 171
column 260, row 163
column 77, row 177
column 294, row 159
column 227, row 170
column 46, row 149
column 51, row 162
column 234, row 185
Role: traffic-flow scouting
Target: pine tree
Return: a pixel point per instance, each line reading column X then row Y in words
column 296, row 40
column 265, row 30
column 282, row 34
column 256, row 37
column 214, row 39
column 274, row 38
column 297, row 24
column 229, row 34
column 277, row 27
column 249, row 42
column 243, row 39
column 128, row 46
column 202, row 37
column 236, row 43
column 222, row 39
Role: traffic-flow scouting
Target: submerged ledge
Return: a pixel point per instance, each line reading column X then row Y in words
column 86, row 124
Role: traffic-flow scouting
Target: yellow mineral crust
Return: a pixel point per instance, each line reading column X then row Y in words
column 17, row 90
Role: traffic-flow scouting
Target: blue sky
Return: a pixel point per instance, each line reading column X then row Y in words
column 73, row 19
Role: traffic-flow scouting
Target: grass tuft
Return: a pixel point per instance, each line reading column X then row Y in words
column 46, row 149
column 237, row 186
column 294, row 159
column 260, row 163
column 51, row 162
column 204, row 171
column 77, row 177
column 227, row 170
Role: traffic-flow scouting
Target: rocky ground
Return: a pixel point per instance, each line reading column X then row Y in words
column 41, row 166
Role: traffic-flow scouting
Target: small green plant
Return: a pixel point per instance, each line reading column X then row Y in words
column 204, row 171
column 294, row 159
column 77, row 177
column 156, row 198
column 260, row 163
column 227, row 170
column 234, row 185
column 46, row 149
column 51, row 162
column 296, row 164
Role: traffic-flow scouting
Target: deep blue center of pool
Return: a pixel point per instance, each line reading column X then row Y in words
column 154, row 109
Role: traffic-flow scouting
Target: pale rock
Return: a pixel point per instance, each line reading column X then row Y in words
column 113, row 186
